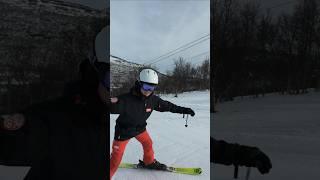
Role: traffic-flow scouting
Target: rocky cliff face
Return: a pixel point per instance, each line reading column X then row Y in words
column 41, row 45
column 122, row 71
column 43, row 31
column 55, row 6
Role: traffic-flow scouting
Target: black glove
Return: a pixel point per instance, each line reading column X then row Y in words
column 188, row 111
column 13, row 122
column 253, row 157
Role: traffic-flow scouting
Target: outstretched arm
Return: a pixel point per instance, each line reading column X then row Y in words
column 11, row 122
column 117, row 105
column 239, row 155
column 13, row 140
column 163, row 106
column 23, row 136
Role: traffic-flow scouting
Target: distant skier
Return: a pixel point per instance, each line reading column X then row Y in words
column 225, row 153
column 134, row 108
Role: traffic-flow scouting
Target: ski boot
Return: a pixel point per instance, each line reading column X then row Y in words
column 156, row 165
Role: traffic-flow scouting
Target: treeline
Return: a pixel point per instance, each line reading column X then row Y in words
column 184, row 77
column 256, row 52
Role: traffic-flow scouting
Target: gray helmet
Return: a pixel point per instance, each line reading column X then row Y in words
column 100, row 59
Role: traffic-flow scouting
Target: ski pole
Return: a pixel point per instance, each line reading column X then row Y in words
column 248, row 173
column 236, row 169
column 186, row 125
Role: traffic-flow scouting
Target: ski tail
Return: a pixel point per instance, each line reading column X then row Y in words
column 128, row 165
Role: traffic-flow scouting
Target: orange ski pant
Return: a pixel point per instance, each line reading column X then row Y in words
column 118, row 148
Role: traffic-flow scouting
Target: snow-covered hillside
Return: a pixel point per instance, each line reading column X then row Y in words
column 174, row 144
column 287, row 128
column 121, row 70
column 121, row 62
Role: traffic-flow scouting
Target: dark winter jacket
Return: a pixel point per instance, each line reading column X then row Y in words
column 135, row 109
column 225, row 153
column 62, row 139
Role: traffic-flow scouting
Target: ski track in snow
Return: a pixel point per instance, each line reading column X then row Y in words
column 284, row 127
column 174, row 144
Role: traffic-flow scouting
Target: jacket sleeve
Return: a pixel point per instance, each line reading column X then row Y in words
column 166, row 106
column 230, row 154
column 13, row 146
column 118, row 107
column 222, row 152
column 26, row 145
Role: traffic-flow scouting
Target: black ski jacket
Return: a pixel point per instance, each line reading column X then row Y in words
column 229, row 153
column 62, row 139
column 225, row 153
column 135, row 109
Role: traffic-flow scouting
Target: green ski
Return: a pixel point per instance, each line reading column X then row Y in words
column 180, row 170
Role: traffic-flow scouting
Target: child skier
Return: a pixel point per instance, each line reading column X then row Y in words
column 135, row 108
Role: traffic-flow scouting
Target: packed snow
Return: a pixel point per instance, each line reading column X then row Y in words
column 173, row 143
column 285, row 127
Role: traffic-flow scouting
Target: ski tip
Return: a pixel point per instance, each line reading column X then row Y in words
column 189, row 171
column 198, row 171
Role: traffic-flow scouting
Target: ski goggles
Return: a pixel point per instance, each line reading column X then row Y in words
column 148, row 87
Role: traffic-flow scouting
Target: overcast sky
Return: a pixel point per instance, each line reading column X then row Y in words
column 142, row 30
column 145, row 29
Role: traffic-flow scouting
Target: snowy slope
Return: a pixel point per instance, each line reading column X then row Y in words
column 121, row 70
column 285, row 127
column 173, row 143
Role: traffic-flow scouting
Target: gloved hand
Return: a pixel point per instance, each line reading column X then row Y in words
column 188, row 111
column 262, row 162
column 254, row 157
column 11, row 122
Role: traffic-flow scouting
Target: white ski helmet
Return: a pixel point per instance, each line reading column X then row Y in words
column 99, row 58
column 148, row 76
column 101, row 45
